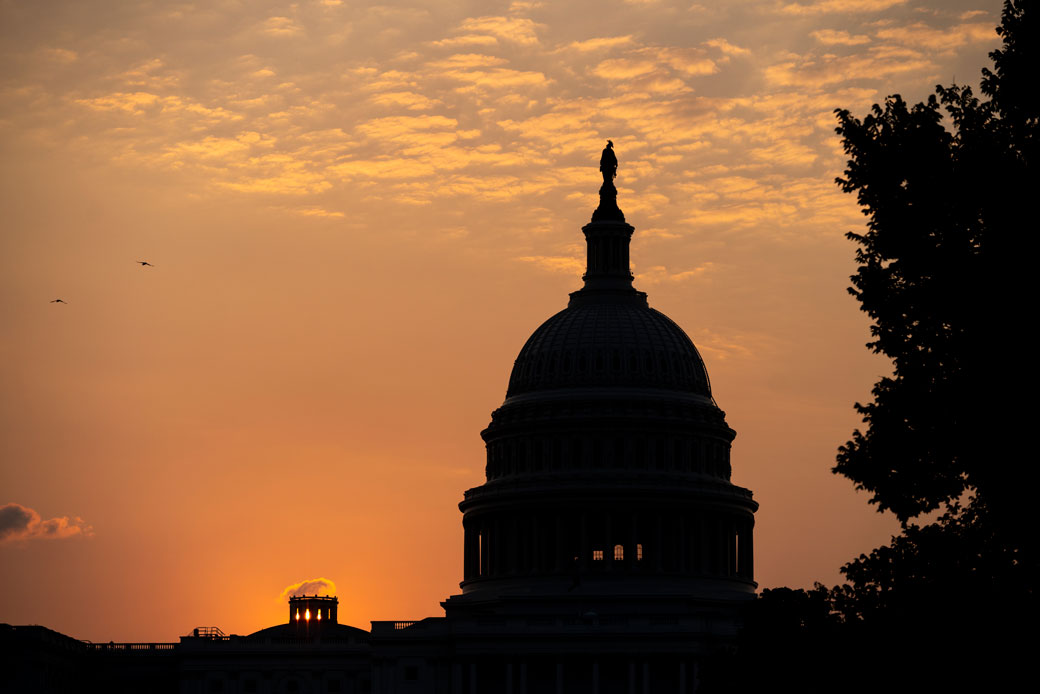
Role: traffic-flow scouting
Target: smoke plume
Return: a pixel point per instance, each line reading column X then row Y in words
column 313, row 586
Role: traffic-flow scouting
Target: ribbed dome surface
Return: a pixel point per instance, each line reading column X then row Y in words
column 609, row 343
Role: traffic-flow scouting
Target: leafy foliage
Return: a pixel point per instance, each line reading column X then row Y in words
column 948, row 187
column 943, row 205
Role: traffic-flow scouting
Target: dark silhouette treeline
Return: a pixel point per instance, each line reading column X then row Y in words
column 949, row 604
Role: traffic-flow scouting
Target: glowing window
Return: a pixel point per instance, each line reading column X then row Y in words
column 619, row 553
column 639, row 552
column 297, row 614
column 597, row 555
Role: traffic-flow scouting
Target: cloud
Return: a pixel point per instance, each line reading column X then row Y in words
column 623, row 68
column 940, row 39
column 281, row 26
column 659, row 274
column 312, row 586
column 832, row 37
column 727, row 47
column 61, row 55
column 143, row 103
column 882, row 62
column 406, row 99
column 556, row 263
column 839, row 6
column 319, row 212
column 466, row 60
column 518, row 30
column 19, row 523
column 600, row 43
column 466, row 40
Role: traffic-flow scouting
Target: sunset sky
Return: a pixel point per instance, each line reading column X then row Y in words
column 357, row 213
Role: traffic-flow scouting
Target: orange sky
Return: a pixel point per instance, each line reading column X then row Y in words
column 357, row 213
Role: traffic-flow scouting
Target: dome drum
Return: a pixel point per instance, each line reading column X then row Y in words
column 617, row 451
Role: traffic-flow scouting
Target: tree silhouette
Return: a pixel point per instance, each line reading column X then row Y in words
column 947, row 186
column 940, row 204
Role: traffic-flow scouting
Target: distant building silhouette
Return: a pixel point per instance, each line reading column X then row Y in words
column 607, row 551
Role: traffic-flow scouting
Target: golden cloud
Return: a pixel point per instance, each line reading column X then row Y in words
column 600, row 43
column 555, row 263
column 466, row 40
column 659, row 274
column 839, row 6
column 407, row 100
column 940, row 39
column 818, row 71
column 518, row 30
column 466, row 60
column 727, row 47
column 281, row 26
column 832, row 37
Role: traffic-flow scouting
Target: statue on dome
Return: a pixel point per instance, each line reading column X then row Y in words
column 608, row 209
column 608, row 163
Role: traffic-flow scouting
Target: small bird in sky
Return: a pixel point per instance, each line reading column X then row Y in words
column 58, row 301
column 145, row 262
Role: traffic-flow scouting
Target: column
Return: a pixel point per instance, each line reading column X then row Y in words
column 471, row 553
column 684, row 551
column 560, row 560
column 659, row 544
column 509, row 678
column 559, row 678
column 534, row 564
column 585, row 553
column 516, row 546
column 633, row 540
column 485, row 563
column 496, row 547
column 750, row 544
column 595, row 677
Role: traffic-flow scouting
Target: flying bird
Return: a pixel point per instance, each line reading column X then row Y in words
column 145, row 262
column 58, row 301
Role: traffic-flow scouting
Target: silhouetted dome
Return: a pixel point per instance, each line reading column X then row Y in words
column 609, row 344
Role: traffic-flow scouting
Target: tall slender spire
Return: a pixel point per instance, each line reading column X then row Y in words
column 607, row 237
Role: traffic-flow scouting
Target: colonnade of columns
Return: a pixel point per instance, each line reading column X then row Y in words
column 692, row 454
column 555, row 541
column 608, row 254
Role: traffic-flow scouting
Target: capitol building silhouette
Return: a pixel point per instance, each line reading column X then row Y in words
column 606, row 552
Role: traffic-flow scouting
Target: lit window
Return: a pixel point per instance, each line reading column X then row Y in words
column 619, row 553
column 297, row 614
column 639, row 552
column 597, row 555
column 307, row 614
